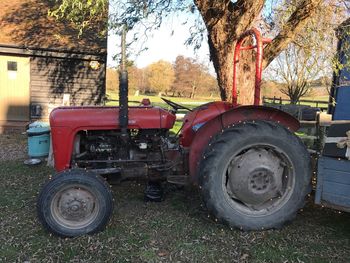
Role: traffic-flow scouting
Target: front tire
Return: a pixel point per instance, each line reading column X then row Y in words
column 255, row 175
column 75, row 203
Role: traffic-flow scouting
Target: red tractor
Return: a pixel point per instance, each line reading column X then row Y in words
column 252, row 171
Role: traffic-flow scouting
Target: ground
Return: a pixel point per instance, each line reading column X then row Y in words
column 12, row 147
column 176, row 230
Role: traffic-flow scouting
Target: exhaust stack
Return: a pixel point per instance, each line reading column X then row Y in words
column 123, row 89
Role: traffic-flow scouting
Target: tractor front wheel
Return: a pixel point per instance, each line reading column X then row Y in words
column 255, row 175
column 75, row 203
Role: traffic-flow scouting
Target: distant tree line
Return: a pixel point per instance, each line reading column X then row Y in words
column 186, row 77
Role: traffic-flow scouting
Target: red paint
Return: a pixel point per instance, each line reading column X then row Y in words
column 234, row 116
column 258, row 62
column 199, row 116
column 65, row 122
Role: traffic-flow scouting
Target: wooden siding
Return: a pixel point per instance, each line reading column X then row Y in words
column 53, row 77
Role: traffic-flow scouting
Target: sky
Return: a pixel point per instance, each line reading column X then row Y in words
column 163, row 45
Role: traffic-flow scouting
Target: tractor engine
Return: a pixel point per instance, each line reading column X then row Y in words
column 148, row 152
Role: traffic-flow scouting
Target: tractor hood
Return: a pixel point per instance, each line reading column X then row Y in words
column 100, row 118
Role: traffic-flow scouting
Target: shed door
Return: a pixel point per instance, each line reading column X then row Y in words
column 14, row 88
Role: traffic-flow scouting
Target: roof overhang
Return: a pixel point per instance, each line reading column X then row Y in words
column 54, row 53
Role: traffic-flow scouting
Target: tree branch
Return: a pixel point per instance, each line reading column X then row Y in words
column 293, row 26
column 213, row 11
column 231, row 17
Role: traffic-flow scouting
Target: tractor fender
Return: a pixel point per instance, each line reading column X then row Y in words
column 229, row 118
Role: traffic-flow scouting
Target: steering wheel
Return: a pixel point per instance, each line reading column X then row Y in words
column 174, row 105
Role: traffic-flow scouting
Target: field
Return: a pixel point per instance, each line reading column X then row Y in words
column 156, row 100
column 178, row 229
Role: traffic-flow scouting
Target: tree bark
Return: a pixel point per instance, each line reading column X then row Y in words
column 226, row 21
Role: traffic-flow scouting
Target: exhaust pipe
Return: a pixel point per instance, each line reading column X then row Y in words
column 123, row 90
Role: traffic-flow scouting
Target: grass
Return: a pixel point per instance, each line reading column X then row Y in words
column 156, row 98
column 191, row 103
column 176, row 230
column 157, row 101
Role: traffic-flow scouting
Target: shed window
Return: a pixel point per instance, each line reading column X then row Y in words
column 11, row 65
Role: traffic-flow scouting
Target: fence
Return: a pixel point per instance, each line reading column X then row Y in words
column 323, row 105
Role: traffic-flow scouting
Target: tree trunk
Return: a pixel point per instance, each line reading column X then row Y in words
column 246, row 76
column 224, row 70
column 193, row 92
column 294, row 98
column 226, row 21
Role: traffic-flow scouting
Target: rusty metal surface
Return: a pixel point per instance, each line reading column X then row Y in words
column 255, row 177
column 74, row 206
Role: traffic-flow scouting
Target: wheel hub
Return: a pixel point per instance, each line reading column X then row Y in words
column 255, row 177
column 261, row 181
column 74, row 207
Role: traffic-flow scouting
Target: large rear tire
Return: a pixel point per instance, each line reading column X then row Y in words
column 75, row 203
column 255, row 175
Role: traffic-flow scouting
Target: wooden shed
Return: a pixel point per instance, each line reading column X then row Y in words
column 44, row 63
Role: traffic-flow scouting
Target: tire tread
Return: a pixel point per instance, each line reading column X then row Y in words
column 212, row 156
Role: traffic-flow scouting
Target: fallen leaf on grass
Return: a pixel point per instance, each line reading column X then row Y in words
column 163, row 253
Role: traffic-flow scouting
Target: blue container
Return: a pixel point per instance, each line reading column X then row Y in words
column 38, row 141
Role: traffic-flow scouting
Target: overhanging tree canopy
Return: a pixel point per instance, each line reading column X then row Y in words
column 223, row 22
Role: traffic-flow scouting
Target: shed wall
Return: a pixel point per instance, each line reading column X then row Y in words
column 51, row 78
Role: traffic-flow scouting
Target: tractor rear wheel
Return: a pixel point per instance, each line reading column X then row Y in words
column 255, row 175
column 75, row 203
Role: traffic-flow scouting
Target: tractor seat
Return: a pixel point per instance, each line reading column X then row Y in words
column 145, row 102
